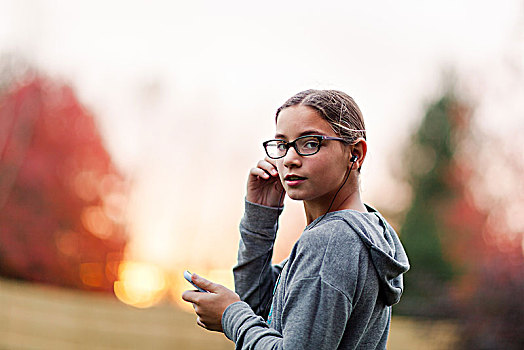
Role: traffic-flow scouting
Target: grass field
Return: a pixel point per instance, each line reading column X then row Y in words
column 41, row 317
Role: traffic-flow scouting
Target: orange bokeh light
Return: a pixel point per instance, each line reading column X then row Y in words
column 140, row 284
column 95, row 221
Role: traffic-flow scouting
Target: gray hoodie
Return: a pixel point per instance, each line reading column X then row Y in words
column 335, row 290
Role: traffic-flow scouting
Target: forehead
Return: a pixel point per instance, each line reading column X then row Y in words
column 296, row 121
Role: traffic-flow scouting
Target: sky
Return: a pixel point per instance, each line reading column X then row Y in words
column 185, row 93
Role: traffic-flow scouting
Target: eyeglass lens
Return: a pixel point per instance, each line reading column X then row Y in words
column 304, row 146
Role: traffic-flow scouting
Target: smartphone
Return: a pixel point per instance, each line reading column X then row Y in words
column 187, row 276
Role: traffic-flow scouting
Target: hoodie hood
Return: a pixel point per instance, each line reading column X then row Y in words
column 388, row 255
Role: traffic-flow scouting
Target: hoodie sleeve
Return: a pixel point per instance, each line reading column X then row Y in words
column 254, row 274
column 314, row 317
column 314, row 313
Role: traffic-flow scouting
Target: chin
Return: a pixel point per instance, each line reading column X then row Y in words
column 296, row 195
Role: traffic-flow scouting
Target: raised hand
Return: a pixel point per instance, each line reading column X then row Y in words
column 264, row 186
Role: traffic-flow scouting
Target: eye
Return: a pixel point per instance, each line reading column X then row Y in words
column 281, row 146
column 310, row 144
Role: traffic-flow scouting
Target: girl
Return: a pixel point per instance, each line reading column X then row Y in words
column 336, row 288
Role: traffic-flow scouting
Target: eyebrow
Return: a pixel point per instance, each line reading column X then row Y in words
column 304, row 133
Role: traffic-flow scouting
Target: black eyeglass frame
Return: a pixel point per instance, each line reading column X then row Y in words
column 293, row 144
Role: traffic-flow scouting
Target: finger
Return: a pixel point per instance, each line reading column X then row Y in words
column 271, row 161
column 268, row 167
column 191, row 296
column 200, row 323
column 260, row 173
column 205, row 284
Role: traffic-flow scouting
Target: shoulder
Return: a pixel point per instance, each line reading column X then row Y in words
column 329, row 249
column 332, row 233
column 334, row 251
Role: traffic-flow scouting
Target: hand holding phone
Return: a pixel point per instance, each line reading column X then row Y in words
column 187, row 276
column 209, row 302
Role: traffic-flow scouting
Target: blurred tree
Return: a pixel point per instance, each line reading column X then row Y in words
column 492, row 315
column 429, row 158
column 487, row 249
column 467, row 261
column 61, row 198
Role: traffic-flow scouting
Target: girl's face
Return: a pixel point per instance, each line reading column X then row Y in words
column 316, row 177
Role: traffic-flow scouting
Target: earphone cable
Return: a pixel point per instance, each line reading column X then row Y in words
column 335, row 196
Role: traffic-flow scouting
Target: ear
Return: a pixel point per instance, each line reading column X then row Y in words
column 359, row 151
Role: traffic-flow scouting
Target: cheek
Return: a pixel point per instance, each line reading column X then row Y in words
column 332, row 170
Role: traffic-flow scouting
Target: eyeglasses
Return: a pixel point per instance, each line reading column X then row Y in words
column 304, row 145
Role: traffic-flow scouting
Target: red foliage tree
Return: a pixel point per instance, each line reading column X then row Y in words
column 489, row 289
column 60, row 195
column 486, row 253
column 462, row 232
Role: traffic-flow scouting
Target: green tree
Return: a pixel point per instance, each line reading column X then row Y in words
column 428, row 160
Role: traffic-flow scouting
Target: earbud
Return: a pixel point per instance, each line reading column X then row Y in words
column 353, row 159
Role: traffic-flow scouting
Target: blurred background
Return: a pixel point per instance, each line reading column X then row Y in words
column 127, row 130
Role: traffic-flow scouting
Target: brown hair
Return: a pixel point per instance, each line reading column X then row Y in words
column 336, row 107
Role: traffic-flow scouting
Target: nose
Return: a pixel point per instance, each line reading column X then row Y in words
column 292, row 158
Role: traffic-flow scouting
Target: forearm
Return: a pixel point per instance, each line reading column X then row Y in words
column 314, row 318
column 254, row 274
column 247, row 330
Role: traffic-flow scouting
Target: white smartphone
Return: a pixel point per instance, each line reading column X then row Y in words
column 187, row 276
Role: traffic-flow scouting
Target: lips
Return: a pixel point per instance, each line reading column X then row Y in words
column 294, row 180
column 294, row 177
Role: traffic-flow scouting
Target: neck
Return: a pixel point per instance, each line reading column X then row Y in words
column 346, row 199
